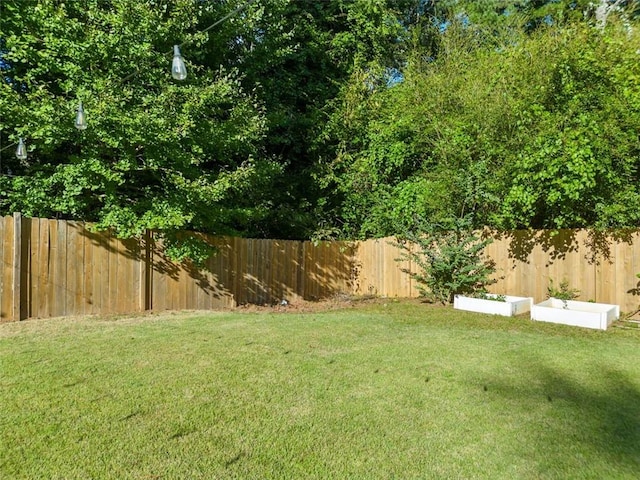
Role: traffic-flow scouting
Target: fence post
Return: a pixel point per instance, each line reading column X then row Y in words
column 17, row 266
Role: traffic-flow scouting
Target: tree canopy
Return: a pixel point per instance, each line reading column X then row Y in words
column 321, row 118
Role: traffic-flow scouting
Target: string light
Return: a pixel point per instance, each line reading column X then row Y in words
column 178, row 72
column 178, row 68
column 81, row 119
column 21, row 151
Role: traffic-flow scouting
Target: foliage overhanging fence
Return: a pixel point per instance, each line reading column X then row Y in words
column 55, row 267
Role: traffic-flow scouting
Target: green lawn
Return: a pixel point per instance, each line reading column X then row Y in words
column 403, row 390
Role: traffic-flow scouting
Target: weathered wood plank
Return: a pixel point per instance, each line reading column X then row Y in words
column 34, row 268
column 17, row 267
column 6, row 300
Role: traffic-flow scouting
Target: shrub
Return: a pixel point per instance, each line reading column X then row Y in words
column 446, row 259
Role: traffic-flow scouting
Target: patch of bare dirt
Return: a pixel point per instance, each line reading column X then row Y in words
column 338, row 302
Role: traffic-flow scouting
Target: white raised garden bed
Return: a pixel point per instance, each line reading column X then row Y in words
column 579, row 314
column 511, row 306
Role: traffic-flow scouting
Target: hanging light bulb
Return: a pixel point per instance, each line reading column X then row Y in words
column 81, row 118
column 178, row 69
column 21, row 151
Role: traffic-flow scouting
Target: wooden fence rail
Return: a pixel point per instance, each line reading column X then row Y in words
column 53, row 268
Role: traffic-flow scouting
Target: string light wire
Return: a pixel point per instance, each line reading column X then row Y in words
column 213, row 25
column 137, row 70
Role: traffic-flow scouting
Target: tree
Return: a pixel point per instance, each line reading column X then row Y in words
column 157, row 154
column 432, row 145
column 579, row 166
column 522, row 129
column 296, row 55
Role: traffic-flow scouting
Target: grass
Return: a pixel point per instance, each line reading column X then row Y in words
column 402, row 390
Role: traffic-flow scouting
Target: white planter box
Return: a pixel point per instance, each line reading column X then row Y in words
column 510, row 307
column 579, row 314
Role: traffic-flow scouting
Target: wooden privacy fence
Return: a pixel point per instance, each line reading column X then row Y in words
column 54, row 268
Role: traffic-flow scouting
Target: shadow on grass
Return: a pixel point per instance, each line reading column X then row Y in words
column 602, row 417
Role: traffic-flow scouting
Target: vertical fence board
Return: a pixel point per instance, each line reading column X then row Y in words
column 74, row 267
column 136, row 289
column 6, row 300
column 503, row 269
column 242, row 265
column 213, row 275
column 631, row 291
column 128, row 271
column 624, row 273
column 223, row 292
column 101, row 274
column 254, row 277
column 123, row 276
column 110, row 280
column 191, row 295
column 373, row 261
column 56, row 277
column 254, row 272
column 585, row 267
column 159, row 280
column 230, row 265
column 246, row 271
column 266, row 258
column 278, row 277
column 325, row 279
column 177, row 289
column 88, row 294
column 279, row 280
column 310, row 284
column 183, row 284
column 44, row 261
column 367, row 268
column 34, row 268
column 16, row 266
column 3, row 277
column 291, row 267
column 263, row 270
column 296, row 271
column 603, row 274
column 133, row 270
column 61, row 272
column 218, row 292
column 147, row 303
column 222, row 289
column 199, row 290
column 287, row 269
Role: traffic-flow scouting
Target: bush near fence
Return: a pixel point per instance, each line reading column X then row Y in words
column 56, row 267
